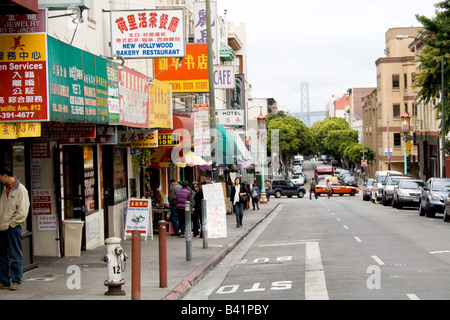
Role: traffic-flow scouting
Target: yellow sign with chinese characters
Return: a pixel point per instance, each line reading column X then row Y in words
column 20, row 130
column 22, row 47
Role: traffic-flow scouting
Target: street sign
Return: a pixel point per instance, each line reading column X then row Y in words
column 363, row 163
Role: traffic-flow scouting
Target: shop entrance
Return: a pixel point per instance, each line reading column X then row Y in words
column 14, row 156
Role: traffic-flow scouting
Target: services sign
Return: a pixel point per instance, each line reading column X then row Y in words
column 140, row 34
column 23, row 66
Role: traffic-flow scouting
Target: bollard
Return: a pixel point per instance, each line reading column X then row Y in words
column 162, row 254
column 188, row 230
column 204, row 225
column 136, row 265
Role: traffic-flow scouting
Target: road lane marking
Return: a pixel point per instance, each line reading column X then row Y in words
column 437, row 252
column 378, row 260
column 412, row 296
column 315, row 285
column 289, row 243
column 357, row 239
column 338, row 219
column 346, row 227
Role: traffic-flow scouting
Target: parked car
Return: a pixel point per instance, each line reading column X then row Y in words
column 350, row 180
column 299, row 179
column 337, row 187
column 285, row 187
column 297, row 169
column 388, row 187
column 367, row 189
column 407, row 193
column 433, row 196
column 377, row 190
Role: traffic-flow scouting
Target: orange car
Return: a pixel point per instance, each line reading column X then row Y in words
column 337, row 187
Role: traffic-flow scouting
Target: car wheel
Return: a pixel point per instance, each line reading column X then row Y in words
column 277, row 194
column 300, row 194
column 431, row 213
column 352, row 193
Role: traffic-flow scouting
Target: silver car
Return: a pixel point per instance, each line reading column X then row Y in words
column 388, row 188
column 407, row 193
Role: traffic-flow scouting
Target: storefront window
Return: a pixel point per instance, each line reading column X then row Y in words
column 120, row 176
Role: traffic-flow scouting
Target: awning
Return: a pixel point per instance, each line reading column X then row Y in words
column 228, row 151
column 163, row 158
column 183, row 127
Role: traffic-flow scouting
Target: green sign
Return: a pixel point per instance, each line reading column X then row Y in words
column 66, row 82
column 101, row 82
column 112, row 70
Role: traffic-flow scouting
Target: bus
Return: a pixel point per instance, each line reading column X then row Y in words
column 322, row 172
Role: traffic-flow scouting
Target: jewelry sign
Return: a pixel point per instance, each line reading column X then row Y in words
column 148, row 34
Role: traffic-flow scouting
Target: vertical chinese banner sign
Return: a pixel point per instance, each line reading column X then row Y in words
column 23, row 68
column 202, row 133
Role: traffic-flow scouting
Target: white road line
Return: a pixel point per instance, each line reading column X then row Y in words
column 289, row 243
column 338, row 219
column 346, row 227
column 412, row 296
column 378, row 260
column 436, row 252
column 357, row 239
column 315, row 285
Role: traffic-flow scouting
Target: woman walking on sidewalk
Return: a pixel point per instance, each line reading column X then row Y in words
column 238, row 198
column 183, row 195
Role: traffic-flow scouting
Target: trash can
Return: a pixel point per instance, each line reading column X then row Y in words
column 73, row 230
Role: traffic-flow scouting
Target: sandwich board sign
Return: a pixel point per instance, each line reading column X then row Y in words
column 139, row 217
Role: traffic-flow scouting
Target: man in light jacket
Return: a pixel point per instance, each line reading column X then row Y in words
column 14, row 207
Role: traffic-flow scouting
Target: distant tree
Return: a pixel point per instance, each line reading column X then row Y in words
column 336, row 138
column 321, row 129
column 294, row 137
column 354, row 155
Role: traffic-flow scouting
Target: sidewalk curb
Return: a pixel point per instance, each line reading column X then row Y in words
column 191, row 279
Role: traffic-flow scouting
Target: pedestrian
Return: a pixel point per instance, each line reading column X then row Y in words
column 173, row 205
column 239, row 198
column 183, row 196
column 312, row 188
column 329, row 191
column 256, row 195
column 14, row 207
column 267, row 187
column 197, row 197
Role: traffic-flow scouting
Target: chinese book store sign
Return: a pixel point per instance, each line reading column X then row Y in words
column 200, row 27
column 23, row 68
column 133, row 98
column 148, row 34
column 192, row 76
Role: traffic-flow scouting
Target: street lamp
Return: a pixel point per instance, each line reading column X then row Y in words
column 261, row 133
column 405, row 127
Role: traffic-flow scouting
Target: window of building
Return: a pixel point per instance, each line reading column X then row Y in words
column 396, row 110
column 120, row 175
column 395, row 81
column 406, row 81
column 397, row 139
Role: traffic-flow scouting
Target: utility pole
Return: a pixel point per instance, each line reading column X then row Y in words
column 212, row 96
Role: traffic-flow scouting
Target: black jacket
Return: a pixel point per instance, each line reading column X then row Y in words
column 242, row 189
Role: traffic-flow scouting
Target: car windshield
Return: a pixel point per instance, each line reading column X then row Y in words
column 369, row 183
column 412, row 184
column 295, row 177
column 350, row 178
column 441, row 185
column 393, row 181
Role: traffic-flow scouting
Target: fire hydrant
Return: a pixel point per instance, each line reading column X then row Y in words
column 116, row 260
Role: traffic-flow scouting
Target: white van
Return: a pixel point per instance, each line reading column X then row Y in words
column 379, row 179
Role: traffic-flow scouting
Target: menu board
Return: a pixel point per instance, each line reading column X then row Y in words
column 216, row 210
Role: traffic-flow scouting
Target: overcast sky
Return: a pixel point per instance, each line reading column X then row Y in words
column 331, row 44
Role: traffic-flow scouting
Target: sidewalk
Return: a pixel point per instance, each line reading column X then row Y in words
column 49, row 280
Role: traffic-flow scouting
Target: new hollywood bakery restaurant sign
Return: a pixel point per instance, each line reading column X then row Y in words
column 148, row 33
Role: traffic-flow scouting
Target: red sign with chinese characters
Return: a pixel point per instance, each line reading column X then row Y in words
column 23, row 66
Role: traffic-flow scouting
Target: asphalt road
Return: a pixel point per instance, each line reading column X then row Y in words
column 338, row 249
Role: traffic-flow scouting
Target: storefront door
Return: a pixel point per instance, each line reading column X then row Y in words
column 73, row 174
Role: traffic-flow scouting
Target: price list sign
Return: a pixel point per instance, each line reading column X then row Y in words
column 23, row 68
